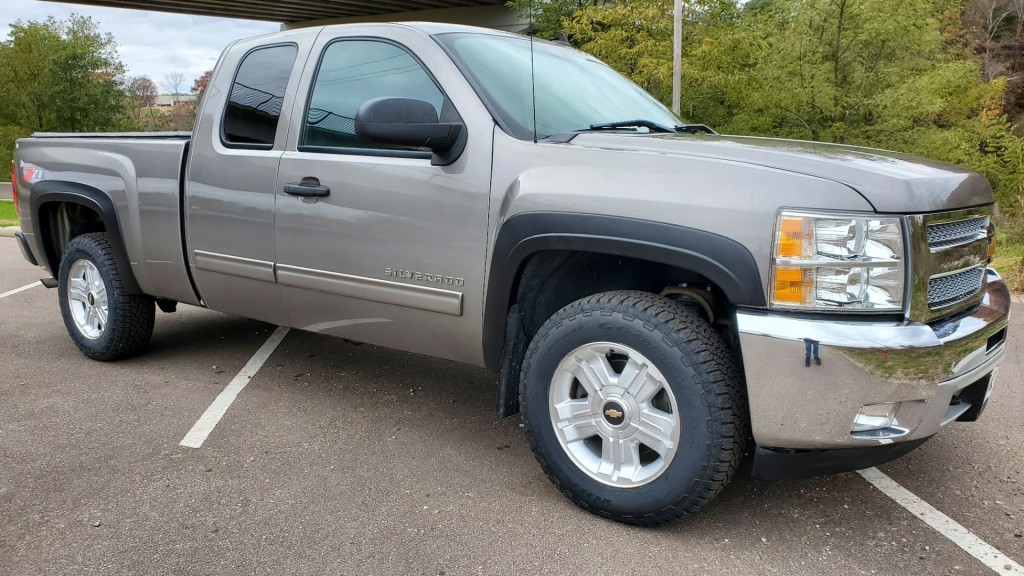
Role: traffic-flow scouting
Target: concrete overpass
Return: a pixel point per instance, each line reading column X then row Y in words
column 295, row 13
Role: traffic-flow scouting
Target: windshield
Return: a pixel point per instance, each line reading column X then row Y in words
column 574, row 90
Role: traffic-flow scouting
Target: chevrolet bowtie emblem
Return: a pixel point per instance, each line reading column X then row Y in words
column 612, row 413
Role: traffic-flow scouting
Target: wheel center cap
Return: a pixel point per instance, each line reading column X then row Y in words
column 92, row 299
column 614, row 413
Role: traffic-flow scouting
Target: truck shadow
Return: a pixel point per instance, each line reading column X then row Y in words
column 178, row 336
column 452, row 406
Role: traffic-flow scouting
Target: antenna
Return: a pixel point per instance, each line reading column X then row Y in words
column 533, row 80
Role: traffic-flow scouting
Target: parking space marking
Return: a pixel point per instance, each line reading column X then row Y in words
column 206, row 423
column 956, row 533
column 22, row 289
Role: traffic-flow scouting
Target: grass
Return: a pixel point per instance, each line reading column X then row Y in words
column 7, row 214
column 1009, row 258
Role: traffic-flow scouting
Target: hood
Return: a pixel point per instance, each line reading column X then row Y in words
column 889, row 181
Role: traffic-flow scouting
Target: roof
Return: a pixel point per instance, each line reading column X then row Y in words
column 287, row 11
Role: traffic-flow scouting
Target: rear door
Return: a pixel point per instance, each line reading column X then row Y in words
column 394, row 255
column 232, row 174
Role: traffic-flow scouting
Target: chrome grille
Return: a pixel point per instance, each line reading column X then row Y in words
column 949, row 289
column 948, row 253
column 955, row 233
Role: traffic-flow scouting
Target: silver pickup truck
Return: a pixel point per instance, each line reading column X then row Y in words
column 652, row 296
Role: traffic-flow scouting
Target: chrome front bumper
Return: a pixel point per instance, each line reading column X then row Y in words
column 928, row 368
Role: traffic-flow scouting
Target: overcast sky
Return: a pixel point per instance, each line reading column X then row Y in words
column 150, row 43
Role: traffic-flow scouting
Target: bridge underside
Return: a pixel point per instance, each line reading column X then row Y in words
column 290, row 12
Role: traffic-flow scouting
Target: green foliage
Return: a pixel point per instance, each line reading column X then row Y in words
column 59, row 75
column 546, row 16
column 635, row 38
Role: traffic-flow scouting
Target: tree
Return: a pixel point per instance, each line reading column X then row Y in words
column 994, row 29
column 547, row 16
column 201, row 83
column 173, row 82
column 59, row 75
column 994, row 25
column 142, row 93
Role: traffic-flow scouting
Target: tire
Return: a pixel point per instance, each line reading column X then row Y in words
column 633, row 469
column 124, row 328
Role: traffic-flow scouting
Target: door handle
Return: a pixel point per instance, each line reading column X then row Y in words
column 309, row 187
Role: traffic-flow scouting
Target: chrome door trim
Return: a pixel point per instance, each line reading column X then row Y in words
column 373, row 289
column 234, row 265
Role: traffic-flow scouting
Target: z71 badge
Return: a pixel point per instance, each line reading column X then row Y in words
column 424, row 277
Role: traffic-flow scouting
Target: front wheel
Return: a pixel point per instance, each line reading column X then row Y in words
column 633, row 406
column 104, row 321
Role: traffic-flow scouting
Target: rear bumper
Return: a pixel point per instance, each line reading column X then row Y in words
column 26, row 251
column 938, row 373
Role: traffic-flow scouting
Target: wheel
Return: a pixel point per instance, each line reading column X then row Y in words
column 633, row 406
column 103, row 321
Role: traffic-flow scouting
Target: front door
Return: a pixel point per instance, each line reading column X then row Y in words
column 394, row 253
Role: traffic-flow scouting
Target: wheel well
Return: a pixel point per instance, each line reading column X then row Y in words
column 550, row 280
column 60, row 222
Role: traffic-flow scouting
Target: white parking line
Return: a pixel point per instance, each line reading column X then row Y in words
column 1000, row 563
column 22, row 289
column 206, row 423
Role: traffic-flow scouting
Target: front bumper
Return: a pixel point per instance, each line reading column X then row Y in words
column 937, row 372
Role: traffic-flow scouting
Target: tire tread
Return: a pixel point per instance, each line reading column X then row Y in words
column 722, row 392
column 133, row 315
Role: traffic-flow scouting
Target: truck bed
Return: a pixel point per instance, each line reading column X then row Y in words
column 140, row 173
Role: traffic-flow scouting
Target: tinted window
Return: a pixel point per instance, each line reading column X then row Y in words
column 257, row 93
column 354, row 71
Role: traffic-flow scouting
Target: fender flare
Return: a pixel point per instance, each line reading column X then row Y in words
column 49, row 191
column 723, row 261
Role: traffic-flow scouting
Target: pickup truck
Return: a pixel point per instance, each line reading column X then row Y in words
column 657, row 300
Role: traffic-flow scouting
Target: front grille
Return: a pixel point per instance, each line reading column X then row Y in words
column 948, row 253
column 949, row 289
column 955, row 233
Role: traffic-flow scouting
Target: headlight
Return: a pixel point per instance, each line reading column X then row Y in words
column 823, row 261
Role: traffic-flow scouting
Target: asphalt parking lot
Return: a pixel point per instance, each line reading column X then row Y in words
column 347, row 459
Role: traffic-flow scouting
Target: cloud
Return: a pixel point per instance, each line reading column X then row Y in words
column 150, row 43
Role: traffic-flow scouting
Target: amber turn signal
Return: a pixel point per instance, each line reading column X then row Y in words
column 793, row 285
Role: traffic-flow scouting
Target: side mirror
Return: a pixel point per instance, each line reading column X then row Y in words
column 410, row 122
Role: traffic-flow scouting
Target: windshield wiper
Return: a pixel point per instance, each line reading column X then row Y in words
column 695, row 129
column 652, row 126
column 564, row 137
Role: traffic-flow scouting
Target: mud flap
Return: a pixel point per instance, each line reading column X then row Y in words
column 511, row 364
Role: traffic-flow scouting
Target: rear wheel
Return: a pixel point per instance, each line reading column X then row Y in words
column 633, row 406
column 103, row 320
